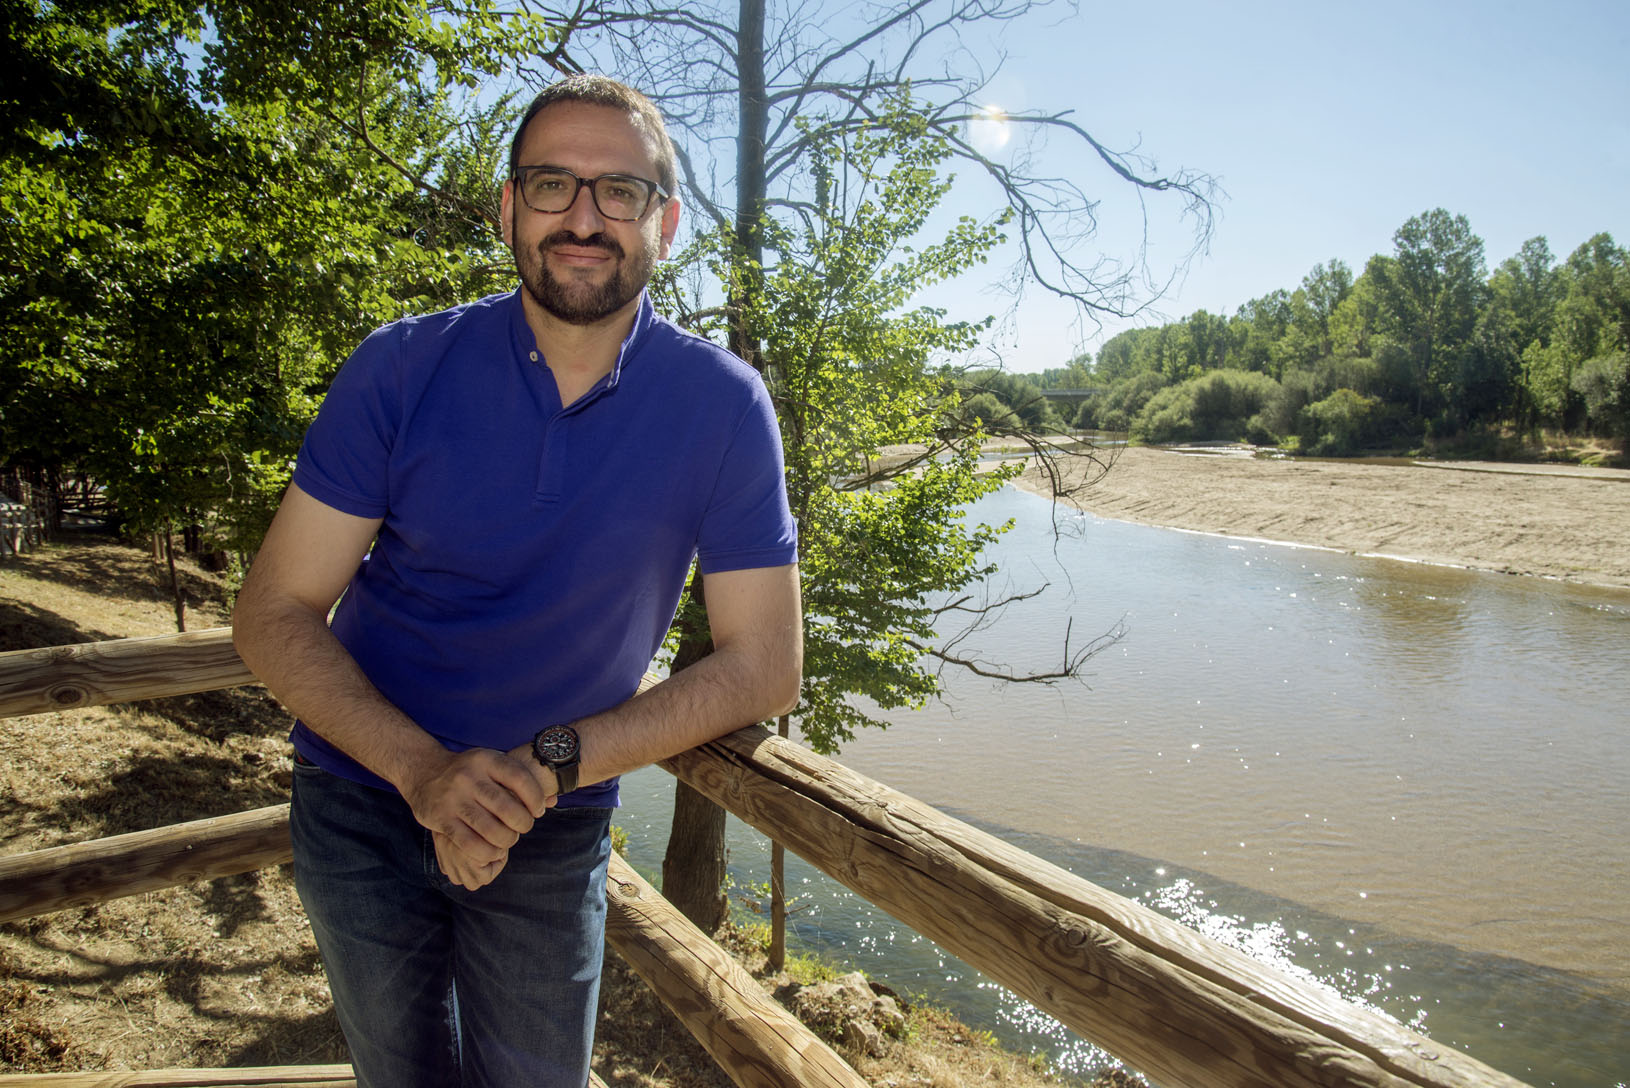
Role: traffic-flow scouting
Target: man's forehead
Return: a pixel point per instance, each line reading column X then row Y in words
column 602, row 128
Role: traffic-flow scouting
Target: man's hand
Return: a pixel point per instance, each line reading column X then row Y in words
column 462, row 869
column 481, row 801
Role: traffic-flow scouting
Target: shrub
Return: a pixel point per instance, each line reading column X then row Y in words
column 1220, row 406
column 1116, row 407
column 1340, row 424
column 1604, row 385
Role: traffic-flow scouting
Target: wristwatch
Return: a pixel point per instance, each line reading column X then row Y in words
column 556, row 747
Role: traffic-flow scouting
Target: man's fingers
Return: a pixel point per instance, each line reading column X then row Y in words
column 523, row 777
column 461, row 868
column 483, row 799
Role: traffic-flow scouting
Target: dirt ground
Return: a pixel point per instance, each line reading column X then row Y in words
column 225, row 973
column 1554, row 521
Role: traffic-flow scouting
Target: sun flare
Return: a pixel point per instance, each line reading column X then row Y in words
column 991, row 130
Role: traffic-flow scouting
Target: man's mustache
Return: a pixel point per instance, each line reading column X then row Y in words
column 598, row 240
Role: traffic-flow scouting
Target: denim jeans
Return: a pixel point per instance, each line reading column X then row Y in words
column 441, row 987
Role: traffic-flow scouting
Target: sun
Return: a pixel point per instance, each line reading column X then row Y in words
column 991, row 130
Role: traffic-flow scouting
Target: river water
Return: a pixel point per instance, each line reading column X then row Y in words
column 1409, row 783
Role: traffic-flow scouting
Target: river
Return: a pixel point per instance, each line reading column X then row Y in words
column 1410, row 783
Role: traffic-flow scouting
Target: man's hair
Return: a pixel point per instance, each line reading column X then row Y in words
column 604, row 91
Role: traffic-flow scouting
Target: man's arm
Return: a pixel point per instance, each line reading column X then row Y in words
column 753, row 673
column 482, row 800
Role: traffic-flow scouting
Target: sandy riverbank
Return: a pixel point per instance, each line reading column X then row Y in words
column 1551, row 521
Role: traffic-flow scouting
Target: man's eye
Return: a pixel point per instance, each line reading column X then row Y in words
column 621, row 191
column 545, row 184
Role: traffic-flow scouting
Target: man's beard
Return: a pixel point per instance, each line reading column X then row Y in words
column 582, row 303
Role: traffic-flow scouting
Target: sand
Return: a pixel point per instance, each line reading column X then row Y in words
column 1552, row 521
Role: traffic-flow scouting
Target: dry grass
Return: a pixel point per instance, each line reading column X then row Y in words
column 225, row 973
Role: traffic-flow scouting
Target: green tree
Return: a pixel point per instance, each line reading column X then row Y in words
column 849, row 364
column 1028, row 410
column 1591, row 337
column 1523, row 295
column 1308, row 335
column 194, row 231
column 1429, row 295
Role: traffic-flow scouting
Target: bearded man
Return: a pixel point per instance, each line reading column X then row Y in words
column 510, row 495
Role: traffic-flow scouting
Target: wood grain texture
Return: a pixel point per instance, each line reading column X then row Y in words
column 120, row 671
column 1182, row 1008
column 293, row 1076
column 142, row 861
column 756, row 1042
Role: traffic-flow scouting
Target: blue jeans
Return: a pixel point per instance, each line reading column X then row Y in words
column 441, row 987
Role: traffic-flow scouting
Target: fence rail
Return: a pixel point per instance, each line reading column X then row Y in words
column 1177, row 1005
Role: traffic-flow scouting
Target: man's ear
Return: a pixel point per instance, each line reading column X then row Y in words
column 670, row 225
column 506, row 214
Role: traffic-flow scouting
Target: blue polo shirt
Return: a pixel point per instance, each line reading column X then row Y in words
column 532, row 555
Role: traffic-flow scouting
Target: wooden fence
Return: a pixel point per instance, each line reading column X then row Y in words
column 1182, row 1008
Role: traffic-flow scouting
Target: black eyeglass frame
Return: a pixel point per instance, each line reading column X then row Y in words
column 654, row 191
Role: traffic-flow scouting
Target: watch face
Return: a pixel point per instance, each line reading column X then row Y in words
column 557, row 744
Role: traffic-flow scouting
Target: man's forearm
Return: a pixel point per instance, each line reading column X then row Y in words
column 301, row 662
column 730, row 688
column 480, row 800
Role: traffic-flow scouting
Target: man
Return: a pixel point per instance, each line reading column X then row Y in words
column 533, row 474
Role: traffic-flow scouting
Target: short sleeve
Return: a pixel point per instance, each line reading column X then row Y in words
column 344, row 461
column 748, row 523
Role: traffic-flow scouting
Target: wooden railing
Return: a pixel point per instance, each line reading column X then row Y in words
column 1182, row 1008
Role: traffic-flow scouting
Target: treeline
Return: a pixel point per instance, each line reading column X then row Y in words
column 1424, row 345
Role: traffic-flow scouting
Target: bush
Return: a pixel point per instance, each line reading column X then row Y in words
column 1116, row 407
column 1340, row 424
column 1223, row 405
column 1603, row 383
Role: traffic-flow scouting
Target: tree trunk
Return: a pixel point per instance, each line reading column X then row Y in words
column 175, row 583
column 693, row 867
column 752, row 137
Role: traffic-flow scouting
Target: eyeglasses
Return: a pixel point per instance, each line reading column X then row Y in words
column 617, row 196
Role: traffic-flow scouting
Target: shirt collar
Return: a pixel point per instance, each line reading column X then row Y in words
column 527, row 344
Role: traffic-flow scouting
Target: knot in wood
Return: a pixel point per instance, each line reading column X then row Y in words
column 1423, row 1053
column 627, row 890
column 1076, row 936
column 67, row 695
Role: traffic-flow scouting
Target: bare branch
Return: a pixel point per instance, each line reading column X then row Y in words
column 1069, row 667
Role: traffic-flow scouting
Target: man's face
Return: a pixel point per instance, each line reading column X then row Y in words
column 578, row 265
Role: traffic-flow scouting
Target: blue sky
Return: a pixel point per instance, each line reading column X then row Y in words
column 1327, row 126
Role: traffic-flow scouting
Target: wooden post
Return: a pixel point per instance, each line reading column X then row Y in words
column 778, row 885
column 756, row 1042
column 95, row 673
column 1182, row 1008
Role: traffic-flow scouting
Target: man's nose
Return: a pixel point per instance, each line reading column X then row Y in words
column 583, row 216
